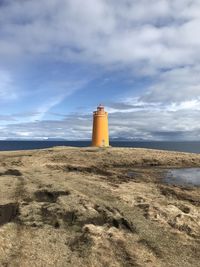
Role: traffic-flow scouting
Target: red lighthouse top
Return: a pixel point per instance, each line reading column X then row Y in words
column 100, row 107
column 100, row 110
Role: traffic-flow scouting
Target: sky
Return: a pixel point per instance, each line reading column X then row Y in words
column 59, row 59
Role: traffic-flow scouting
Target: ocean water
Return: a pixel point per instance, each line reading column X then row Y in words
column 192, row 147
column 185, row 176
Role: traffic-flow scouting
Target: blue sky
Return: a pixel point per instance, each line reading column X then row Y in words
column 60, row 58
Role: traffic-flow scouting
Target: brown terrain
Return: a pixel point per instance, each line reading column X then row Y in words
column 89, row 207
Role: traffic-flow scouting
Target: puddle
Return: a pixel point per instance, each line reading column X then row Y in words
column 189, row 176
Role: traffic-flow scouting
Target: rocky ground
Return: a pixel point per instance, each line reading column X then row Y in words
column 97, row 208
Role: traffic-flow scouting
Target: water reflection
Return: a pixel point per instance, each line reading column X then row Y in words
column 189, row 176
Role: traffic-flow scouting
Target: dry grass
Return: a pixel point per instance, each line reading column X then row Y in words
column 96, row 208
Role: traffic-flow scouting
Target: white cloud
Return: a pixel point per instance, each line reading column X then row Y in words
column 7, row 87
column 137, row 121
column 55, row 92
column 148, row 38
column 145, row 37
column 162, row 34
column 176, row 85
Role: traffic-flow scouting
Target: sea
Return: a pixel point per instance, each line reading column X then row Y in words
column 191, row 147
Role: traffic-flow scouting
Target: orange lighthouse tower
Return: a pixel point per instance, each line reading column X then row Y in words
column 100, row 135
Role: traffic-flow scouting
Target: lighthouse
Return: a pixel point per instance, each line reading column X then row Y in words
column 100, row 135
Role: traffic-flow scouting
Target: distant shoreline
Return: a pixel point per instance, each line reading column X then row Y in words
column 179, row 146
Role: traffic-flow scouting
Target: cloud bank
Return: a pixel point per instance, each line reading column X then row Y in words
column 157, row 41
